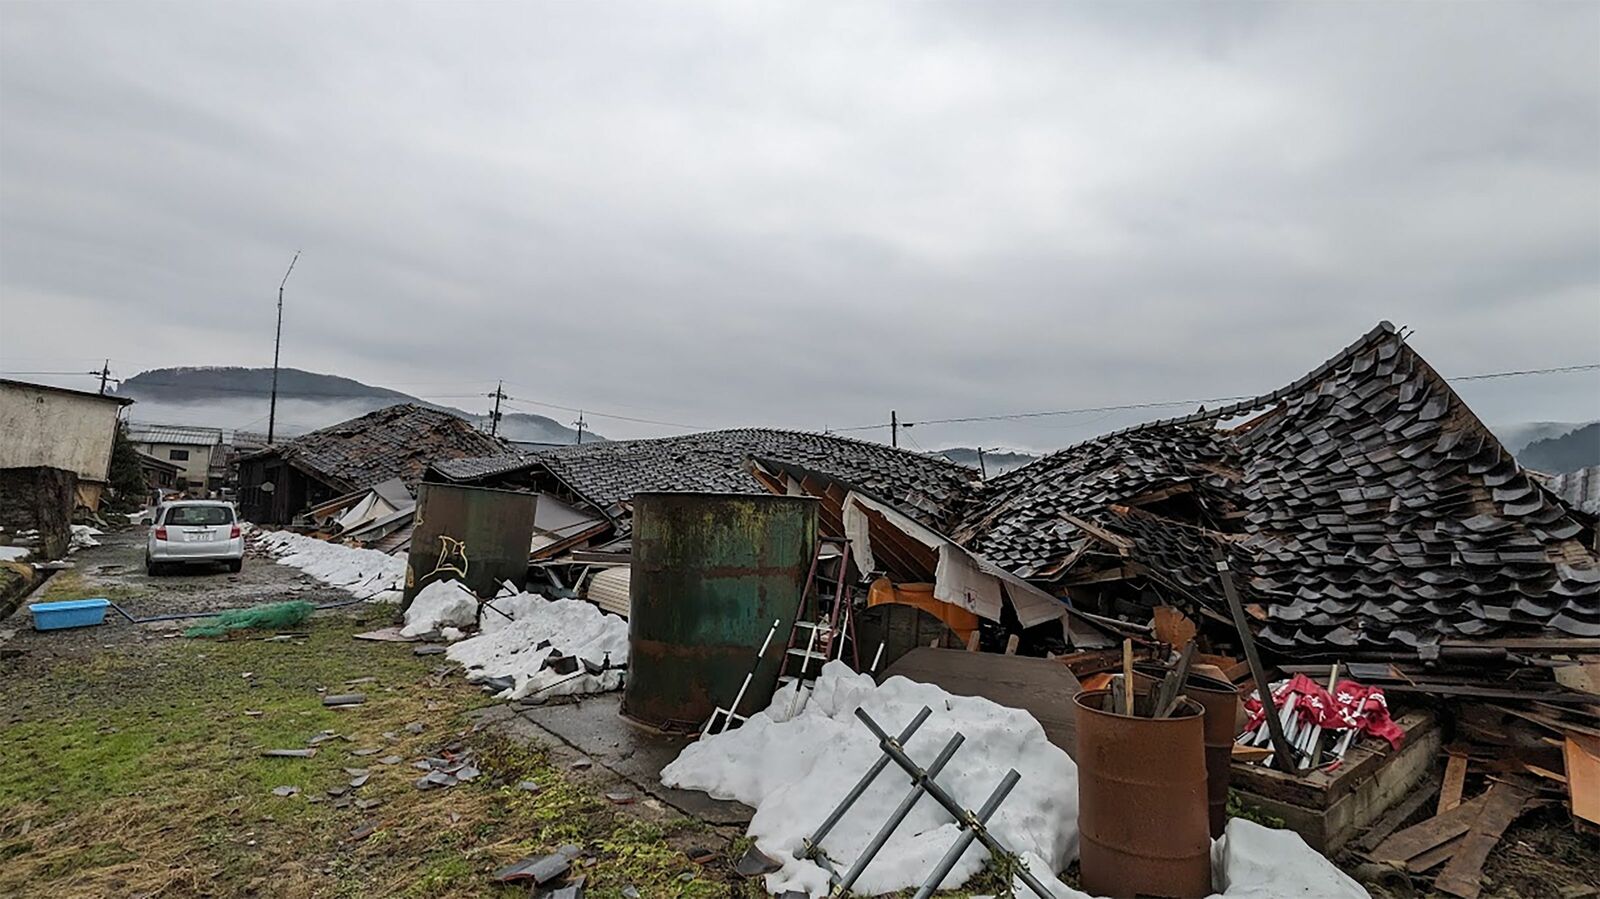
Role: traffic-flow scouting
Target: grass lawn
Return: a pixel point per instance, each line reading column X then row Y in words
column 135, row 770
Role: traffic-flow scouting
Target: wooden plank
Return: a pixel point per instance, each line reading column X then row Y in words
column 1123, row 544
column 1583, row 677
column 1419, row 838
column 1463, row 875
column 1400, row 814
column 1582, row 755
column 1435, row 857
column 1553, row 722
column 1455, row 778
column 1495, row 693
column 1250, row 753
column 1041, row 687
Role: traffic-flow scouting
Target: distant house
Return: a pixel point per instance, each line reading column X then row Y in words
column 198, row 453
column 158, row 473
column 54, row 427
column 280, row 482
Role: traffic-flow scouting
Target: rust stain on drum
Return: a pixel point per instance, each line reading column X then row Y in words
column 1142, row 802
column 1220, row 699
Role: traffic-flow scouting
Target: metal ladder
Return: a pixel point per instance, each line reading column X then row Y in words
column 812, row 639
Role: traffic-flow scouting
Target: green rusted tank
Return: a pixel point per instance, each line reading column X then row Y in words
column 475, row 535
column 710, row 573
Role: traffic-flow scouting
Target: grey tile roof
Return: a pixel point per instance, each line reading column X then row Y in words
column 1364, row 506
column 394, row 442
column 176, row 434
column 929, row 488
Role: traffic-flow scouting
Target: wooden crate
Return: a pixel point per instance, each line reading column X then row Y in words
column 1328, row 809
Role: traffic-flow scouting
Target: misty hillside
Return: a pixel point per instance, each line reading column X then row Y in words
column 237, row 399
column 994, row 462
column 1569, row 452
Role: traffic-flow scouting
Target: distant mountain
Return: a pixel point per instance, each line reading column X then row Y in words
column 994, row 462
column 1515, row 437
column 1568, row 452
column 237, row 398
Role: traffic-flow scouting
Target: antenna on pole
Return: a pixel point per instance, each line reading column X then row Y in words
column 494, row 417
column 277, row 343
column 894, row 428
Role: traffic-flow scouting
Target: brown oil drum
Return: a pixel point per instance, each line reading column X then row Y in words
column 1142, row 802
column 1220, row 699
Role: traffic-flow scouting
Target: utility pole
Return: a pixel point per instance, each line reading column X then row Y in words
column 277, row 343
column 579, row 423
column 983, row 472
column 894, row 429
column 494, row 417
column 105, row 375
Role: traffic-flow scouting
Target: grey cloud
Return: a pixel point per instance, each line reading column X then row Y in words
column 807, row 215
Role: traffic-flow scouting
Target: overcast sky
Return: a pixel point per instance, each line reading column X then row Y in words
column 807, row 214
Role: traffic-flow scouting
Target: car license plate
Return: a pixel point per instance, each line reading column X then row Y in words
column 202, row 537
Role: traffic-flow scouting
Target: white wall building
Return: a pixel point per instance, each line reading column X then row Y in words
column 54, row 427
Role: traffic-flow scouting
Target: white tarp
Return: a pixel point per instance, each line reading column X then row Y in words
column 962, row 578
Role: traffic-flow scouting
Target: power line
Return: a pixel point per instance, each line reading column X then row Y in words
column 591, row 412
column 1588, row 366
column 1012, row 416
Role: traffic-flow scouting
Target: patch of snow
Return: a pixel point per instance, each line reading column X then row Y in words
column 83, row 536
column 1247, row 862
column 795, row 771
column 365, row 573
column 441, row 604
column 519, row 648
column 13, row 553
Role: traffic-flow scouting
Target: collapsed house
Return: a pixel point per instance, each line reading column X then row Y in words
column 1371, row 510
column 281, row 482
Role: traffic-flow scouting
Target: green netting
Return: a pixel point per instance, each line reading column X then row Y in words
column 276, row 616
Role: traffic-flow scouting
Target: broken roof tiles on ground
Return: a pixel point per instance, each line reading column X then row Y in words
column 394, row 442
column 609, row 474
column 1364, row 506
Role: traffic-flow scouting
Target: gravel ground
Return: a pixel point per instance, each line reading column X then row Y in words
column 115, row 570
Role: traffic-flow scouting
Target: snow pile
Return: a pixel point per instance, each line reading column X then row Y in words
column 516, row 650
column 365, row 573
column 1248, row 862
column 83, row 536
column 13, row 553
column 795, row 771
column 441, row 606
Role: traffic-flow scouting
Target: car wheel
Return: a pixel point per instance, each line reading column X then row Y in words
column 236, row 566
column 151, row 569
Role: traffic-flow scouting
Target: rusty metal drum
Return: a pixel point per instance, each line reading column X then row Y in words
column 1220, row 699
column 710, row 573
column 1142, row 802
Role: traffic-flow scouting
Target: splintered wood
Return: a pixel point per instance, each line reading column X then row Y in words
column 1460, row 838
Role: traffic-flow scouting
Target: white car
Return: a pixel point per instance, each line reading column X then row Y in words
column 189, row 531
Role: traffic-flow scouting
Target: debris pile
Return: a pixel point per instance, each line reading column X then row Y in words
column 532, row 648
column 364, row 573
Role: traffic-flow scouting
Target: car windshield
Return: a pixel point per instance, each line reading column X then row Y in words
column 199, row 515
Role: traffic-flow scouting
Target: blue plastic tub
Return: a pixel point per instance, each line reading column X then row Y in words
column 52, row 616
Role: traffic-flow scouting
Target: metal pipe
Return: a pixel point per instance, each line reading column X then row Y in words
column 971, row 828
column 918, row 788
column 893, row 750
column 739, row 698
column 814, row 844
